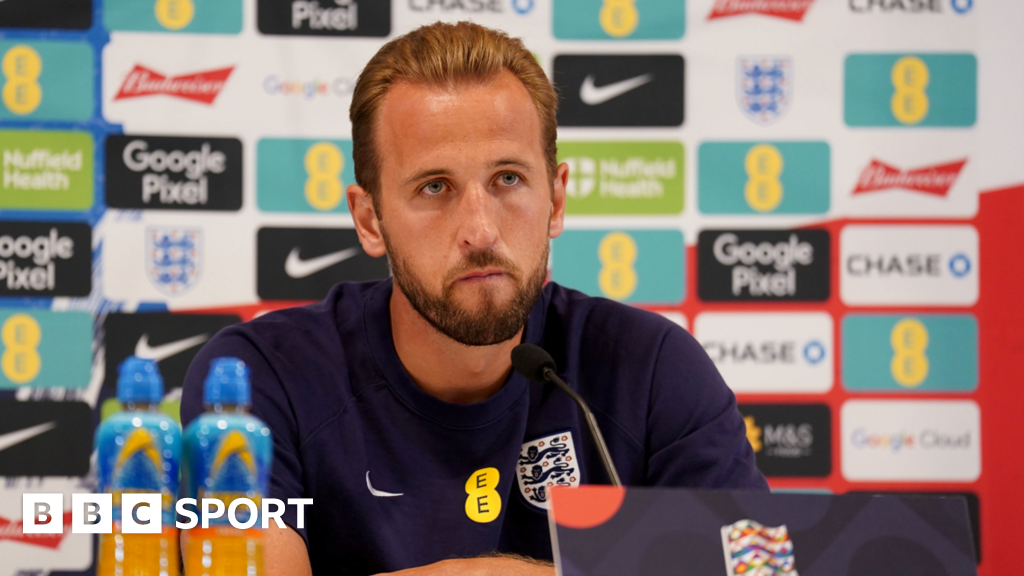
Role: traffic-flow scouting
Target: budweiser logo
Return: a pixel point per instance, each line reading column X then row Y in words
column 201, row 86
column 11, row 530
column 788, row 9
column 935, row 180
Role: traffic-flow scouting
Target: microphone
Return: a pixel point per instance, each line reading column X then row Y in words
column 537, row 365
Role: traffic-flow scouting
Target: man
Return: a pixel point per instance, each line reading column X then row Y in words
column 393, row 403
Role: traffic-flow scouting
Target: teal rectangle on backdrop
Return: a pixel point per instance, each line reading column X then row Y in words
column 303, row 175
column 51, row 80
column 910, row 352
column 193, row 16
column 634, row 266
column 764, row 177
column 619, row 19
column 44, row 349
column 944, row 92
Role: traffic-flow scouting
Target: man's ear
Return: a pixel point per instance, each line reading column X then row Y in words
column 364, row 215
column 558, row 200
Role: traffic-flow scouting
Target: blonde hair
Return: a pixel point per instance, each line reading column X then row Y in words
column 443, row 55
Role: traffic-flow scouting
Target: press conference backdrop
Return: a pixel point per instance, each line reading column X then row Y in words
column 797, row 182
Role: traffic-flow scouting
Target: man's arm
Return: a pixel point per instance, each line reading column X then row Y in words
column 696, row 435
column 284, row 552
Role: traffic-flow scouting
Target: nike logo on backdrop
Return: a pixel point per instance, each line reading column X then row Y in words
column 594, row 95
column 379, row 493
column 19, row 436
column 298, row 268
column 162, row 352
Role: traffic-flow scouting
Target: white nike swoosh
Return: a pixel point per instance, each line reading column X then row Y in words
column 379, row 493
column 164, row 351
column 19, row 436
column 594, row 95
column 298, row 268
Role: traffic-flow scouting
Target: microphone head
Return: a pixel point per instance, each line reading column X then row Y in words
column 531, row 361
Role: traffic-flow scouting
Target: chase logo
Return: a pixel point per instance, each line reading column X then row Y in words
column 769, row 352
column 909, row 265
column 46, row 170
column 296, row 175
column 44, row 349
column 623, row 177
column 619, row 19
column 911, row 90
column 911, row 441
column 634, row 266
column 900, row 352
column 764, row 177
column 46, row 80
column 194, row 16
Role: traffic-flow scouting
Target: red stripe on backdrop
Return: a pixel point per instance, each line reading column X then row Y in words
column 1000, row 393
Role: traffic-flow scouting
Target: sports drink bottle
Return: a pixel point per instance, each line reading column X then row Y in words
column 138, row 450
column 227, row 457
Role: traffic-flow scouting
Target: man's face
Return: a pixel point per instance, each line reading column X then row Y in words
column 467, row 206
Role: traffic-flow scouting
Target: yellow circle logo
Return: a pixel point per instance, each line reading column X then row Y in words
column 763, row 191
column 483, row 504
column 617, row 253
column 174, row 14
column 21, row 67
column 909, row 340
column 324, row 186
column 619, row 18
column 21, row 336
column 909, row 102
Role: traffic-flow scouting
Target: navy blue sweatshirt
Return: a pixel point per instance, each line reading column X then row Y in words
column 400, row 478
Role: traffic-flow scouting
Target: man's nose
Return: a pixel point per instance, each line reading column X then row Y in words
column 477, row 216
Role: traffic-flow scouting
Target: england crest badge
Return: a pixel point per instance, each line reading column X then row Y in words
column 544, row 463
column 174, row 258
column 764, row 87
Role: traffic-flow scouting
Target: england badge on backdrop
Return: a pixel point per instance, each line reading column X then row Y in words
column 544, row 463
column 764, row 87
column 174, row 258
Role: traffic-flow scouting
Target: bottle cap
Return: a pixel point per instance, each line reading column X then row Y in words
column 139, row 381
column 227, row 382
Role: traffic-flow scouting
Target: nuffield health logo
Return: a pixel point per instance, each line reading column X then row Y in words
column 623, row 177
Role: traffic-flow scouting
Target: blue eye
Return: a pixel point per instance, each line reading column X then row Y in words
column 509, row 179
column 434, row 188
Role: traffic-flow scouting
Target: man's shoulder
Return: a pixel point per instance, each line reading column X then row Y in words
column 589, row 317
column 339, row 312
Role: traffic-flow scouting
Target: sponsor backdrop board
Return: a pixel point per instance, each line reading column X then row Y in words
column 797, row 182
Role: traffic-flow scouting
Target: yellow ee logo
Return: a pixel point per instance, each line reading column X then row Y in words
column 484, row 503
column 21, row 67
column 909, row 339
column 763, row 164
column 753, row 433
column 21, row 336
column 323, row 165
column 174, row 14
column 909, row 101
column 617, row 253
column 619, row 18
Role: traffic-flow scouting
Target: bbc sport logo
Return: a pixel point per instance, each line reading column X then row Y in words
column 43, row 513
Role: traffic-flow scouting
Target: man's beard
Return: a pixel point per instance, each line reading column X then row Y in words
column 490, row 323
